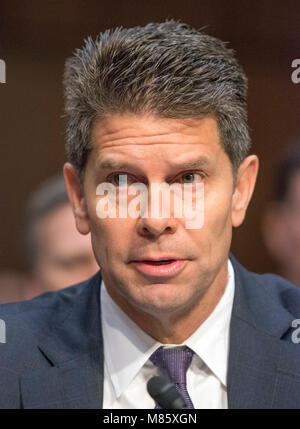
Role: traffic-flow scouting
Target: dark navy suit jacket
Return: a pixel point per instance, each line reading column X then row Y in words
column 53, row 355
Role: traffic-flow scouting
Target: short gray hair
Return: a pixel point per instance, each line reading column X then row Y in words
column 48, row 196
column 167, row 69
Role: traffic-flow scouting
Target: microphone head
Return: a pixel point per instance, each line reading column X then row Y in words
column 164, row 392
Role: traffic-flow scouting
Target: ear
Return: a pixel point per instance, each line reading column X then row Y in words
column 245, row 183
column 77, row 198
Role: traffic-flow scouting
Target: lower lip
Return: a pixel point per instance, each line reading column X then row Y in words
column 160, row 270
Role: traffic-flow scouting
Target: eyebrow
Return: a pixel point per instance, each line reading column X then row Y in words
column 109, row 164
column 202, row 161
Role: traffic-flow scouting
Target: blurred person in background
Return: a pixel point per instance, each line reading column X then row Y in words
column 281, row 219
column 57, row 255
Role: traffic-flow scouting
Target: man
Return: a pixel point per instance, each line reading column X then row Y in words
column 281, row 219
column 160, row 104
column 57, row 255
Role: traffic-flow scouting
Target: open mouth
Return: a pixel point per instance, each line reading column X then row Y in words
column 162, row 262
column 160, row 268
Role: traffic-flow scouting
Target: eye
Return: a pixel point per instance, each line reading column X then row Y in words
column 120, row 179
column 191, row 177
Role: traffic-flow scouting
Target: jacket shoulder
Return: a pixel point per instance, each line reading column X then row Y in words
column 270, row 287
column 43, row 308
column 281, row 290
column 23, row 324
column 23, row 327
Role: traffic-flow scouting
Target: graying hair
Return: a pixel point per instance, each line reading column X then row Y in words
column 48, row 196
column 167, row 69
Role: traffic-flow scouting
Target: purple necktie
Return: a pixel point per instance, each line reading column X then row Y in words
column 175, row 363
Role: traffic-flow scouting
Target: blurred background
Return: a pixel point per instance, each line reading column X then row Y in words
column 37, row 36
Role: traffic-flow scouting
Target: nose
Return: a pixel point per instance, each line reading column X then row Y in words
column 159, row 218
column 154, row 227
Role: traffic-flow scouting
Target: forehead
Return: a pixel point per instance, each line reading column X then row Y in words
column 130, row 129
column 146, row 139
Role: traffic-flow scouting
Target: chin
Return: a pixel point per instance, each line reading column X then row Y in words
column 163, row 297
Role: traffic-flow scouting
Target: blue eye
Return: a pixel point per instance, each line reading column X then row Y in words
column 188, row 178
column 191, row 177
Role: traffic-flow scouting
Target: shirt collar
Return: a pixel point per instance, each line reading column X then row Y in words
column 211, row 340
column 127, row 347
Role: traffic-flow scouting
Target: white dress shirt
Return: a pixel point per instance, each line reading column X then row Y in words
column 127, row 349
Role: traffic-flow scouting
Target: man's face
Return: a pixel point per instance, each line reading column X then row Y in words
column 64, row 257
column 152, row 150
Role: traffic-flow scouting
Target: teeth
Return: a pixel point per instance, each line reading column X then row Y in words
column 168, row 261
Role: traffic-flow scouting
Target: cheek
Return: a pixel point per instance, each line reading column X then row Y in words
column 215, row 235
column 217, row 212
column 111, row 237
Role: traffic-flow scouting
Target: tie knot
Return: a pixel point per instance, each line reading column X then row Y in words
column 173, row 361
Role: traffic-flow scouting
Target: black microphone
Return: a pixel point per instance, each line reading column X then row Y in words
column 165, row 393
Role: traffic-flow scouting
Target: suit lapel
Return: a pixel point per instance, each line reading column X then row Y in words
column 75, row 351
column 259, row 356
